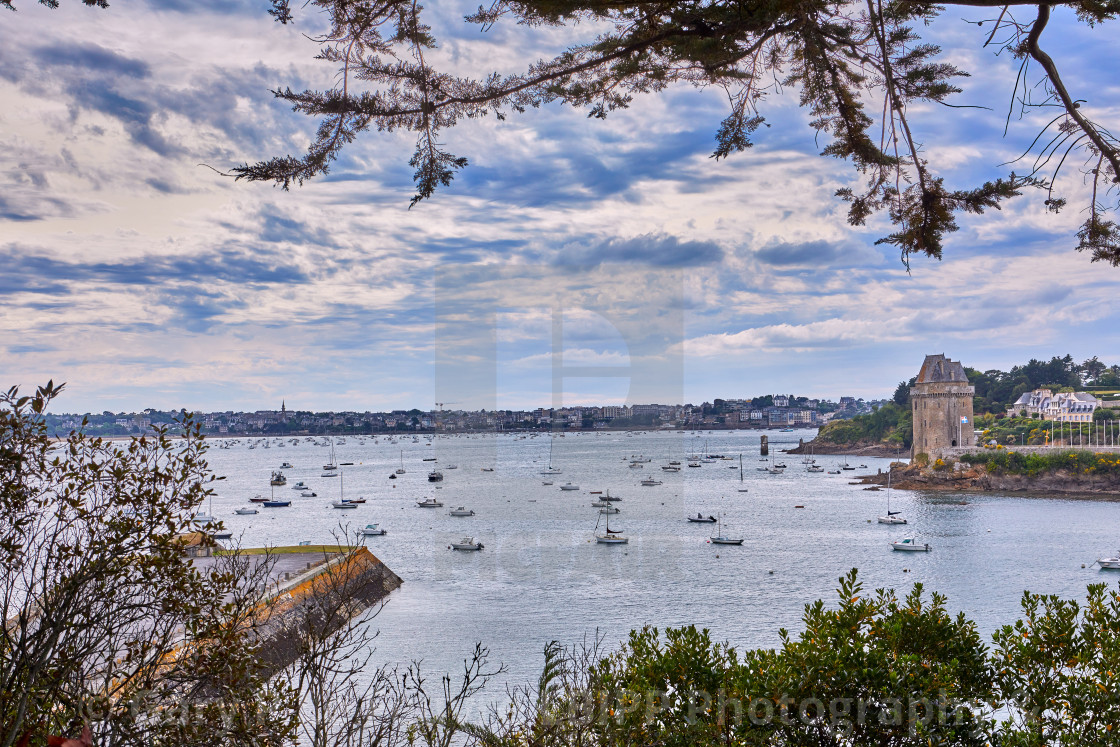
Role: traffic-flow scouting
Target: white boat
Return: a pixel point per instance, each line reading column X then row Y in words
column 452, row 466
column 301, row 485
column 650, row 482
column 429, row 503
column 910, row 545
column 891, row 517
column 286, row 465
column 461, row 511
column 814, row 468
column 609, row 537
column 308, row 494
column 671, row 469
column 245, row 511
column 720, row 539
column 1109, row 563
column 487, row 469
column 701, row 519
column 467, row 543
column 610, row 510
column 343, row 504
column 601, row 503
column 371, row 530
column 608, row 497
column 546, row 482
column 569, row 486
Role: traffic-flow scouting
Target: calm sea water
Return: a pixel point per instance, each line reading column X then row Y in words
column 542, row 577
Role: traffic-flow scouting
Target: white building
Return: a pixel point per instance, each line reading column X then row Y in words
column 1063, row 407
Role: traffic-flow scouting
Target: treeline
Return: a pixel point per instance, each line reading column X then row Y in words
column 893, row 425
column 996, row 389
column 890, row 424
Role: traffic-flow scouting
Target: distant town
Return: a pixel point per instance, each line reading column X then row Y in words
column 769, row 411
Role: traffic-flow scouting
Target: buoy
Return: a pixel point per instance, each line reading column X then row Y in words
column 1082, row 565
column 771, row 571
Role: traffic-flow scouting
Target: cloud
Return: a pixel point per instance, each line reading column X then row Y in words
column 828, row 333
column 91, row 58
column 816, row 253
column 654, row 250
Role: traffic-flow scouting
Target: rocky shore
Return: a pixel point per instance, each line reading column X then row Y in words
column 961, row 477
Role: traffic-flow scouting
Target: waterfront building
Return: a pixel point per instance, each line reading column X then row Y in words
column 941, row 401
column 1062, row 407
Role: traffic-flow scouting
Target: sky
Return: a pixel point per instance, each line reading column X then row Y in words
column 575, row 261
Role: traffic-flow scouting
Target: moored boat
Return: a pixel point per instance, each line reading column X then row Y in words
column 909, row 544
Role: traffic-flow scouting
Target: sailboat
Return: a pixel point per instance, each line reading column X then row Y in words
column 342, row 502
column 892, row 517
column 400, row 470
column 609, row 537
column 742, row 489
column 550, row 470
column 331, row 469
column 720, row 539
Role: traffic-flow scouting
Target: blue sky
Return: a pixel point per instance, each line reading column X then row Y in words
column 144, row 279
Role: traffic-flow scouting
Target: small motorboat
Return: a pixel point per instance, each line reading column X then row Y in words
column 429, row 503
column 286, row 465
column 814, row 468
column 223, row 534
column 257, row 499
column 467, row 543
column 461, row 511
column 435, row 476
column 278, row 479
column 611, row 510
column 1109, row 564
column 309, row 494
column 910, row 545
column 372, row 530
column 392, row 477
column 650, row 482
column 343, row 504
column 329, row 473
column 600, row 503
column 546, row 482
column 301, row 485
column 248, row 511
column 276, row 504
column 892, row 517
column 699, row 519
column 694, row 464
column 608, row 497
column 569, row 486
column 487, row 469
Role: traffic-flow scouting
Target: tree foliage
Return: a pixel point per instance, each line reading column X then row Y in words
column 861, row 68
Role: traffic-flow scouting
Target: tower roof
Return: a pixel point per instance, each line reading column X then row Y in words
column 939, row 369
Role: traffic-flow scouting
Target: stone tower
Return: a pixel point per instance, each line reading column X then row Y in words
column 941, row 401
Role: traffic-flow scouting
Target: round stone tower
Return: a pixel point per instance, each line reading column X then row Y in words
column 941, row 401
